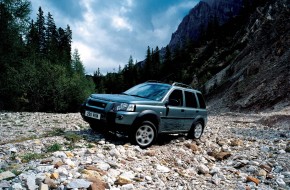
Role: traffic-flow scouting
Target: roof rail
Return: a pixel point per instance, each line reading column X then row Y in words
column 181, row 85
column 154, row 81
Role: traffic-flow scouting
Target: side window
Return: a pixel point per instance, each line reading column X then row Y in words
column 201, row 101
column 190, row 100
column 176, row 98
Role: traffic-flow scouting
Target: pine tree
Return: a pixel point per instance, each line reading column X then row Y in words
column 51, row 39
column 40, row 26
column 77, row 64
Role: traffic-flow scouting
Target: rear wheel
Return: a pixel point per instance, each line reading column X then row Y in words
column 196, row 130
column 144, row 135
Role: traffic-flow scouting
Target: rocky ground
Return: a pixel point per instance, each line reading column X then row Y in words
column 59, row 151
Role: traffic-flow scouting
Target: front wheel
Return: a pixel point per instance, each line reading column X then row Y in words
column 196, row 130
column 144, row 135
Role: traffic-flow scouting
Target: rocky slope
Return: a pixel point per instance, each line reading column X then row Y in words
column 59, row 151
column 258, row 76
column 199, row 17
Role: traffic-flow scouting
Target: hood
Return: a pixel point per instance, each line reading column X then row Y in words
column 120, row 98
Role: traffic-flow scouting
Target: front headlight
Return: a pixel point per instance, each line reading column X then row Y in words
column 124, row 107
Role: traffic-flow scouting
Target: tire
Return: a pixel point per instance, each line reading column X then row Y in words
column 196, row 130
column 144, row 135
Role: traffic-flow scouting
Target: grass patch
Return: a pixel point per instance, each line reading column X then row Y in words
column 55, row 132
column 73, row 137
column 53, row 148
column 31, row 156
column 90, row 145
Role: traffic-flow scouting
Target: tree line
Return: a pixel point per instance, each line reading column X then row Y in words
column 38, row 72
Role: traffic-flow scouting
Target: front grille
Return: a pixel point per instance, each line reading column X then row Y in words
column 96, row 103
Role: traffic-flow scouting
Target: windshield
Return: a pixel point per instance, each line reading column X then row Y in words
column 150, row 91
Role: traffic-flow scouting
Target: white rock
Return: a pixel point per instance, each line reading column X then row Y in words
column 203, row 169
column 78, row 183
column 13, row 150
column 281, row 182
column 128, row 175
column 17, row 186
column 127, row 187
column 148, row 178
column 59, row 154
column 281, row 151
column 6, row 175
column 103, row 166
column 161, row 168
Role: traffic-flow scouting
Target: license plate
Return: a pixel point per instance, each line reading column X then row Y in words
column 93, row 115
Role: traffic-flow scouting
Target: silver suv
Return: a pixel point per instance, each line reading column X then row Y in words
column 147, row 110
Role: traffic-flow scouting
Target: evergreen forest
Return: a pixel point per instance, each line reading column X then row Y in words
column 38, row 70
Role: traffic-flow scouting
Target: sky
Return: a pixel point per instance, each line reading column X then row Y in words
column 107, row 32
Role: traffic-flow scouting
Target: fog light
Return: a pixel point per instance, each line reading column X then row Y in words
column 120, row 117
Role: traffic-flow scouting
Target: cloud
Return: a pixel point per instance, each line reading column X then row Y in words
column 107, row 32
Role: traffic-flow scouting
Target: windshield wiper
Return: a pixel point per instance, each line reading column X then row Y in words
column 136, row 95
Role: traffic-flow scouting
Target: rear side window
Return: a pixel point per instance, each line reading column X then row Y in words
column 190, row 100
column 201, row 101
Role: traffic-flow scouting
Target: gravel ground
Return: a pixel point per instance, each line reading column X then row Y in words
column 59, row 151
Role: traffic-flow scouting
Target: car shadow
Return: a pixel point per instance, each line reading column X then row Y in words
column 121, row 139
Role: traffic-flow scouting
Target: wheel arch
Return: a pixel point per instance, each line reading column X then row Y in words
column 147, row 115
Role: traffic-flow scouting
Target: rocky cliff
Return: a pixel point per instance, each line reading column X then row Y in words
column 259, row 75
column 197, row 20
column 245, row 66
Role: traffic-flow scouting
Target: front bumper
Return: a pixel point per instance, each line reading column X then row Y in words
column 114, row 121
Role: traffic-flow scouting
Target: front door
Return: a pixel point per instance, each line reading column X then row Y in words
column 173, row 118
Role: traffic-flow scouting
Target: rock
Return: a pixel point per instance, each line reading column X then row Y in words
column 50, row 183
column 251, row 169
column 281, row 182
column 122, row 181
column 192, row 146
column 150, row 153
column 253, row 179
column 127, row 187
column 161, row 168
column 43, row 186
column 103, row 166
column 58, row 164
column 236, row 142
column 54, row 175
column 97, row 186
column 78, row 183
column 221, row 142
column 4, row 184
column 6, row 175
column 262, row 173
column 13, row 150
column 215, row 179
column 44, row 168
column 220, row 155
column 202, row 169
column 278, row 169
column 30, row 182
column 17, row 186
column 266, row 167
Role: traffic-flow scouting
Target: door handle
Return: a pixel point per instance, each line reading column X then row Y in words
column 182, row 110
